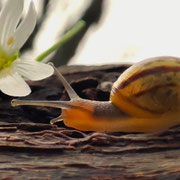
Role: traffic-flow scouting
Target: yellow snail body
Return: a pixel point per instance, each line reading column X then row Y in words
column 145, row 98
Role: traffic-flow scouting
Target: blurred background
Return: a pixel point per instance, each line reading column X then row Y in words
column 117, row 31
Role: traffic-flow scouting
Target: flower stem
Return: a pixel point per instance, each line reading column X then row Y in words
column 66, row 37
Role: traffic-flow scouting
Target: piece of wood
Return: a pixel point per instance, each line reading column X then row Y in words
column 31, row 148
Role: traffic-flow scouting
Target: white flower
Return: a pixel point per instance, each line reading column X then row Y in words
column 13, row 35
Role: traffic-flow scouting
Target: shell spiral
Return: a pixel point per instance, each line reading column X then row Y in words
column 149, row 88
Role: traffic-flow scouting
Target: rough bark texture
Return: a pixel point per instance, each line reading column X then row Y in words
column 30, row 148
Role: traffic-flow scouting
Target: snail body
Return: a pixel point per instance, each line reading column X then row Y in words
column 145, row 98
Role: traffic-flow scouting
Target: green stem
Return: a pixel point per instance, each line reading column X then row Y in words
column 66, row 37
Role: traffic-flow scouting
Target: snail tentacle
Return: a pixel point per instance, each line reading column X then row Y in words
column 54, row 104
column 55, row 120
column 72, row 94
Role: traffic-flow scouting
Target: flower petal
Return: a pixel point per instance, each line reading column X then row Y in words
column 12, row 84
column 9, row 18
column 33, row 70
column 25, row 28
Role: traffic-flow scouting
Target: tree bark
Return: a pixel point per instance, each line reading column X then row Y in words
column 31, row 148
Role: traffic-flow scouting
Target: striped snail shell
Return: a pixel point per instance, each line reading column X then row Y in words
column 149, row 88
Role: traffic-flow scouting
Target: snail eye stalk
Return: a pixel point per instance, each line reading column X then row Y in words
column 56, row 104
column 72, row 94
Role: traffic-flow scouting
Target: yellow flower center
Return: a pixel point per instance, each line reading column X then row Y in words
column 5, row 59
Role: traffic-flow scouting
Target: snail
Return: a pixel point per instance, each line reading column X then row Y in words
column 145, row 98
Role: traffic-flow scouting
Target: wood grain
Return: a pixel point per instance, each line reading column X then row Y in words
column 31, row 148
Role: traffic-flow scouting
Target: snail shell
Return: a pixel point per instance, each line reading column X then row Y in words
column 149, row 88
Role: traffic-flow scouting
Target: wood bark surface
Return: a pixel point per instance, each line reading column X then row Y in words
column 31, row 148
